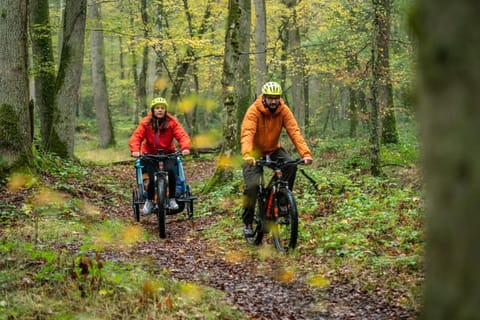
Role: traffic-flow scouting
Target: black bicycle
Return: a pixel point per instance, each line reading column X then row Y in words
column 183, row 194
column 276, row 209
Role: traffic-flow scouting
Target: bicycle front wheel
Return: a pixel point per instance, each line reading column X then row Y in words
column 161, row 203
column 285, row 228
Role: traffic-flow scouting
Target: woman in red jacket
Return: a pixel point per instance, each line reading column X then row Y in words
column 156, row 132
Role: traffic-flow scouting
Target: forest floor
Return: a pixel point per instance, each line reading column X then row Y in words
column 188, row 255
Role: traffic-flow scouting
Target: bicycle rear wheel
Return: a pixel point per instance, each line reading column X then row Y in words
column 285, row 228
column 161, row 203
column 258, row 223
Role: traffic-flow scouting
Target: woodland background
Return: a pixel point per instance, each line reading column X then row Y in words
column 77, row 75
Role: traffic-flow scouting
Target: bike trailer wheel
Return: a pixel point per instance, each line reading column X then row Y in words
column 136, row 206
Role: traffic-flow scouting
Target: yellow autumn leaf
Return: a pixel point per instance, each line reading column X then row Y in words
column 131, row 234
column 190, row 291
column 235, row 256
column 46, row 197
column 204, row 141
column 19, row 181
column 318, row 281
column 285, row 276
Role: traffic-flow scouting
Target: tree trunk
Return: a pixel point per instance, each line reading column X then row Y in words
column 449, row 51
column 260, row 45
column 68, row 78
column 15, row 121
column 296, row 71
column 352, row 112
column 224, row 173
column 142, row 77
column 100, row 94
column 382, row 60
column 43, row 68
column 244, row 85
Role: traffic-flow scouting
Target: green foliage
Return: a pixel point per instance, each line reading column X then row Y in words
column 360, row 227
column 39, row 282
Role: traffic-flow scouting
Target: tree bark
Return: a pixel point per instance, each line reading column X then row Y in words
column 224, row 173
column 449, row 51
column 68, row 78
column 381, row 45
column 15, row 121
column 296, row 72
column 43, row 68
column 260, row 45
column 244, row 85
column 142, row 77
column 100, row 92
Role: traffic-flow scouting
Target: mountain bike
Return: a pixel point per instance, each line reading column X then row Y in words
column 276, row 209
column 183, row 193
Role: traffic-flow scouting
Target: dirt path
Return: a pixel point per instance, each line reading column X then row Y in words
column 189, row 257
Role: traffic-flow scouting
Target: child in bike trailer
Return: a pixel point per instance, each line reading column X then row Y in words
column 156, row 132
column 260, row 136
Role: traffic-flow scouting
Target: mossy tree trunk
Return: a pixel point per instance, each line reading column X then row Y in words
column 244, row 84
column 381, row 43
column 43, row 68
column 68, row 79
column 223, row 174
column 449, row 51
column 15, row 118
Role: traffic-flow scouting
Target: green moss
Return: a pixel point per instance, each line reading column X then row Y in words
column 10, row 135
column 13, row 149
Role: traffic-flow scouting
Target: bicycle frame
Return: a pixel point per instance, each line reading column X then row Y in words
column 268, row 217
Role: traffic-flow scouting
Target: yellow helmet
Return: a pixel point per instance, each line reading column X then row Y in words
column 159, row 101
column 272, row 88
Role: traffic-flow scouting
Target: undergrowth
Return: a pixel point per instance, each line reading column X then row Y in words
column 365, row 230
column 54, row 246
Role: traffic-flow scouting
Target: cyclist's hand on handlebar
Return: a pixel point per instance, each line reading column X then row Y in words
column 185, row 152
column 308, row 160
column 249, row 160
column 135, row 154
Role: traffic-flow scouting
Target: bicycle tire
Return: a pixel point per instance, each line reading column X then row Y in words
column 135, row 206
column 161, row 207
column 258, row 223
column 285, row 226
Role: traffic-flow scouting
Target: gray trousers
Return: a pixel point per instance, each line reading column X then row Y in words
column 251, row 177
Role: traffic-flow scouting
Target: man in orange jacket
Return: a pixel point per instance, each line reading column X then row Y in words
column 260, row 136
column 156, row 132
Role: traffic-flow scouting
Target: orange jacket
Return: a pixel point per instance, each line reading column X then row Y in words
column 260, row 131
column 145, row 140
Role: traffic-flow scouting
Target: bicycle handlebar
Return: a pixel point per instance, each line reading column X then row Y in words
column 277, row 164
column 164, row 156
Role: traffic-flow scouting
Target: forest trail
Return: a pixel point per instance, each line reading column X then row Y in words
column 260, row 295
column 251, row 285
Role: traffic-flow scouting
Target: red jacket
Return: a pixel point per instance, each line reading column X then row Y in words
column 145, row 140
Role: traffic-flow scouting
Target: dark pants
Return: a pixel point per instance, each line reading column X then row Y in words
column 251, row 177
column 151, row 167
